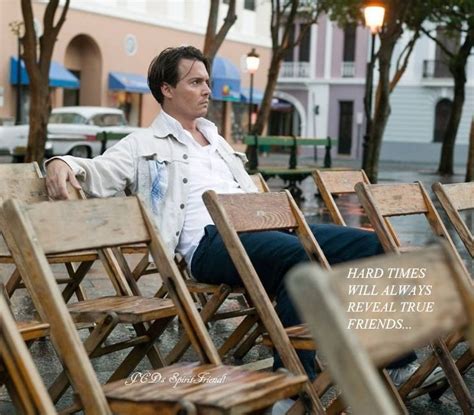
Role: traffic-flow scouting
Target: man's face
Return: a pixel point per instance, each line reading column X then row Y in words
column 190, row 97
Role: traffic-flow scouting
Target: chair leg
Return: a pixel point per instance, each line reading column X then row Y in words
column 427, row 366
column 236, row 337
column 463, row 364
column 12, row 283
column 453, row 376
column 91, row 344
column 136, row 355
column 76, row 276
column 141, row 267
column 392, row 388
column 206, row 314
column 249, row 342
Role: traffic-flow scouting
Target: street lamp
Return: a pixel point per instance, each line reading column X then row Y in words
column 374, row 13
column 17, row 29
column 252, row 63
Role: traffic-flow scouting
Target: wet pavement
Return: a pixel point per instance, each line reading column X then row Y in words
column 97, row 283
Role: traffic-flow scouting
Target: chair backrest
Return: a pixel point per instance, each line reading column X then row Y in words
column 20, row 171
column 254, row 212
column 455, row 198
column 30, row 392
column 366, row 323
column 337, row 182
column 384, row 201
column 65, row 226
column 260, row 182
column 30, row 189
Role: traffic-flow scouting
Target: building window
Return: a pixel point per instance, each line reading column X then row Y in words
column 249, row 5
column 346, row 113
column 349, row 43
column 289, row 54
column 304, row 45
column 442, row 114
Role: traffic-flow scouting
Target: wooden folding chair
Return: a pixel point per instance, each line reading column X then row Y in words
column 353, row 355
column 108, row 312
column 25, row 386
column 15, row 180
column 253, row 212
column 331, row 183
column 456, row 198
column 99, row 224
column 385, row 201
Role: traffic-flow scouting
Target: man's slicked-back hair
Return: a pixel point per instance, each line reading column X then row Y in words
column 164, row 68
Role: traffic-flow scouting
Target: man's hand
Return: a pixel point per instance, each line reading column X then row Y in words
column 58, row 173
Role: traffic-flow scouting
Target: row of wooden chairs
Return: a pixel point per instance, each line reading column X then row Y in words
column 228, row 212
column 98, row 224
column 265, row 212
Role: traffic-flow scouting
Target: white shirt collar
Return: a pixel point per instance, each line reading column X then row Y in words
column 165, row 125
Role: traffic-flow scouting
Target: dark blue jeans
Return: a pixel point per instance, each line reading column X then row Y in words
column 272, row 254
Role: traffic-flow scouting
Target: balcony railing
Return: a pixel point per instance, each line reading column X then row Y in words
column 347, row 69
column 436, row 69
column 295, row 70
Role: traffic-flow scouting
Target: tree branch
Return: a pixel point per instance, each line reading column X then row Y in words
column 229, row 20
column 406, row 53
column 438, row 42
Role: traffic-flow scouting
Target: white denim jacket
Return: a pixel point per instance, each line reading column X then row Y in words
column 154, row 163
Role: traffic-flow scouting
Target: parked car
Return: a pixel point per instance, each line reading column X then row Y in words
column 71, row 130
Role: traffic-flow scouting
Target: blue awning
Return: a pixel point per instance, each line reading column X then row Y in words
column 225, row 80
column 257, row 95
column 59, row 76
column 129, row 82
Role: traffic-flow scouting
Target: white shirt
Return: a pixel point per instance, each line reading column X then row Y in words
column 208, row 171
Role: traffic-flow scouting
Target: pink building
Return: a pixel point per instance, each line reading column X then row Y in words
column 104, row 48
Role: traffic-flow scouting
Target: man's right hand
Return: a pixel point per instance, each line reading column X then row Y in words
column 58, row 173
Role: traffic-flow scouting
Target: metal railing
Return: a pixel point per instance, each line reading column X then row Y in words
column 295, row 70
column 347, row 69
column 436, row 69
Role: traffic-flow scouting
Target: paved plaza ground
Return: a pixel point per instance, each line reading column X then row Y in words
column 97, row 284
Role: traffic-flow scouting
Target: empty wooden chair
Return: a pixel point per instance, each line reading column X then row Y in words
column 25, row 386
column 108, row 312
column 455, row 199
column 332, row 183
column 382, row 202
column 99, row 224
column 353, row 355
column 25, row 182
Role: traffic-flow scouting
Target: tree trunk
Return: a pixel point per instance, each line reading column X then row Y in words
column 40, row 100
column 457, row 67
column 266, row 106
column 446, row 162
column 470, row 156
column 382, row 108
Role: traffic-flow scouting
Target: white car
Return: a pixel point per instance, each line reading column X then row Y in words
column 71, row 130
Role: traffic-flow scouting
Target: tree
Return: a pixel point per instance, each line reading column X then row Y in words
column 214, row 38
column 285, row 14
column 470, row 155
column 37, row 65
column 456, row 18
column 399, row 16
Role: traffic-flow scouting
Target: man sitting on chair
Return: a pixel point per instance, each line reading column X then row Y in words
column 172, row 163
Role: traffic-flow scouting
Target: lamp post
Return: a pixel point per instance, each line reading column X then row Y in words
column 252, row 64
column 374, row 14
column 17, row 27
